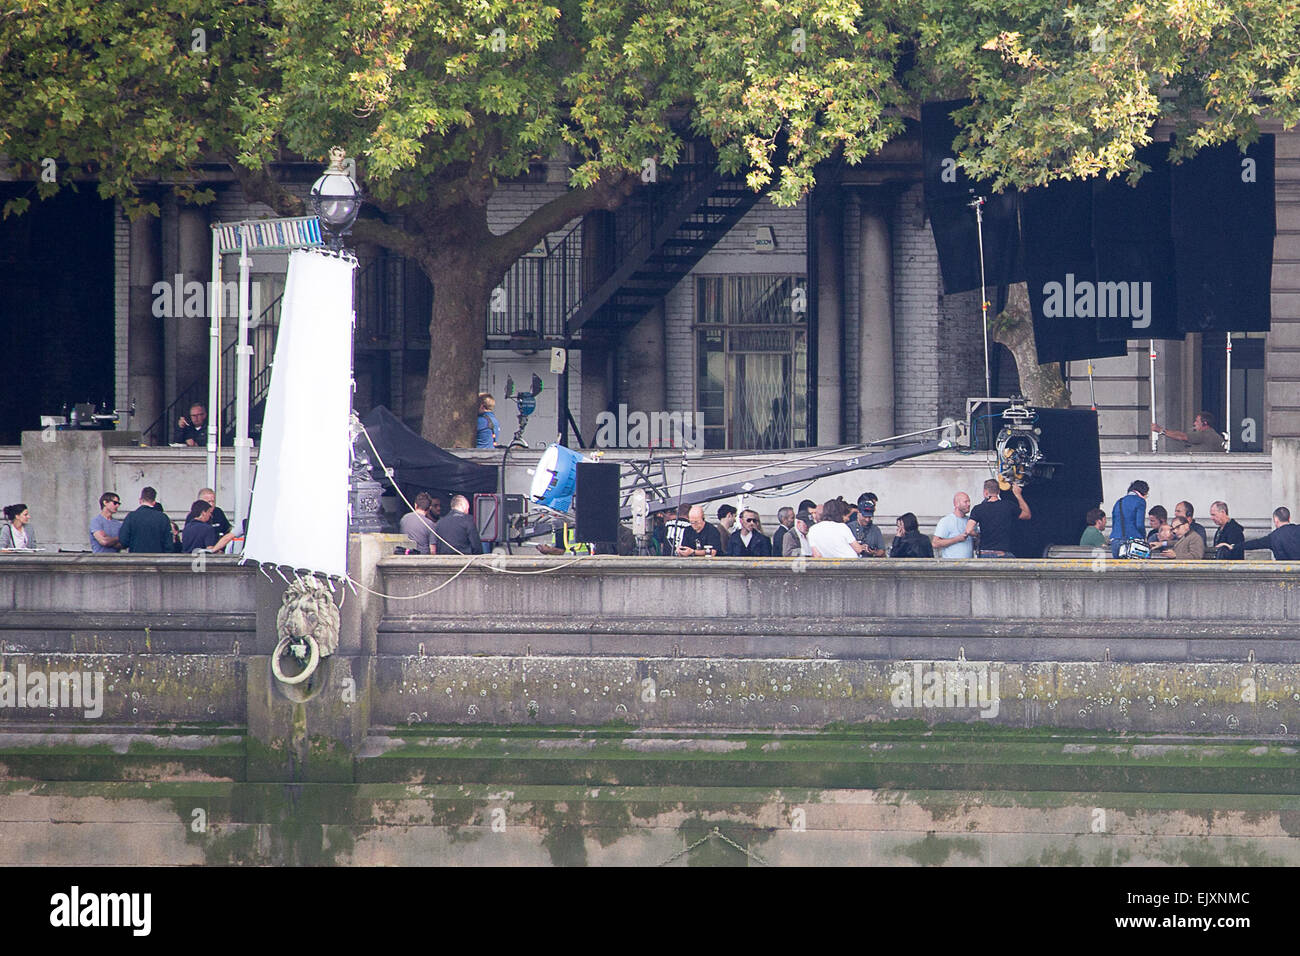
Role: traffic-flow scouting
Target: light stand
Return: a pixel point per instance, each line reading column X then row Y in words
column 1227, row 388
column 978, row 204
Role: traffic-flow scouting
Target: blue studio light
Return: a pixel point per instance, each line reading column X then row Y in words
column 555, row 478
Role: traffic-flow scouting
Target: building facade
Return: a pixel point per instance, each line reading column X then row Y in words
column 820, row 324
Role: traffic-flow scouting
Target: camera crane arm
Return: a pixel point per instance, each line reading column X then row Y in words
column 879, row 459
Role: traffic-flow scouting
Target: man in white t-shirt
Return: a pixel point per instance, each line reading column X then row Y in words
column 830, row 537
column 950, row 539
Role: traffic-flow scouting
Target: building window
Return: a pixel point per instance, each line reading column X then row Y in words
column 751, row 354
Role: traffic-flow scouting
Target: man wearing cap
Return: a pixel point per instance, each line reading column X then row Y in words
column 864, row 527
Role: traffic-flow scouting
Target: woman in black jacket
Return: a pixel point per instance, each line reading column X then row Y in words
column 909, row 542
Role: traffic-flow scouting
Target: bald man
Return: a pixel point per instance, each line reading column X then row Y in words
column 950, row 538
column 701, row 539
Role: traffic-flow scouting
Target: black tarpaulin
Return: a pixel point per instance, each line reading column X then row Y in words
column 420, row 465
column 948, row 196
column 1224, row 218
column 1132, row 237
column 1056, row 222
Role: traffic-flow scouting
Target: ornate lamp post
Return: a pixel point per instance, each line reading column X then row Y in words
column 336, row 200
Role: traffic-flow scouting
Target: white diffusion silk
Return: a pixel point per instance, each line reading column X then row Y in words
column 299, row 514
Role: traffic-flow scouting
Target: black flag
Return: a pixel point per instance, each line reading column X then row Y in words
column 1056, row 222
column 948, row 196
column 1224, row 219
column 1133, row 241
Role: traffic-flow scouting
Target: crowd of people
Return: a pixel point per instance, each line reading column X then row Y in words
column 842, row 529
column 145, row 530
column 832, row 529
column 1182, row 537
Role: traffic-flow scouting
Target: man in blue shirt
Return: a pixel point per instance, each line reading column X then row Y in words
column 488, row 428
column 104, row 528
column 1128, row 519
column 950, row 537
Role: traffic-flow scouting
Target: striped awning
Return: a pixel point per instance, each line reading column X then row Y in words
column 295, row 233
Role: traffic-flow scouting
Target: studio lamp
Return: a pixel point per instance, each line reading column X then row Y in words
column 336, row 200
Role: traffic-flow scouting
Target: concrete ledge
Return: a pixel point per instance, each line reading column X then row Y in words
column 875, row 609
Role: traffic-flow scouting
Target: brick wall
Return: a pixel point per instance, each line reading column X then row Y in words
column 733, row 255
column 122, row 313
column 917, row 317
column 1282, row 362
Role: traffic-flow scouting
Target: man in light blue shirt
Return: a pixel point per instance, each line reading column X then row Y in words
column 950, row 539
column 104, row 527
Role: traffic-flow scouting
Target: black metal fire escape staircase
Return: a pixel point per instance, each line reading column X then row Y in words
column 663, row 233
column 656, row 237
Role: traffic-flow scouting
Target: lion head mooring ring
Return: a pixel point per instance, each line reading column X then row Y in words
column 313, row 659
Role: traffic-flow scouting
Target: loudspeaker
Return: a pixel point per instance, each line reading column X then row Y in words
column 1059, row 504
column 487, row 517
column 596, row 500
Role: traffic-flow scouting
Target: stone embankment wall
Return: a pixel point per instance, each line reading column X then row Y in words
column 642, row 710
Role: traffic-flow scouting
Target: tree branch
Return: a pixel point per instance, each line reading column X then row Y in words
column 608, row 193
column 259, row 186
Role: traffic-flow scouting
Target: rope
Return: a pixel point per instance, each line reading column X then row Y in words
column 715, row 833
column 473, row 558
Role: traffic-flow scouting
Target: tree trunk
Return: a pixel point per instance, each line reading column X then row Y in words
column 1042, row 385
column 456, row 335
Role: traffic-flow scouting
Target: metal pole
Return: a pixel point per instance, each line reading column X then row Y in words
column 978, row 203
column 1227, row 388
column 1155, row 439
column 243, row 353
column 562, row 400
column 214, row 359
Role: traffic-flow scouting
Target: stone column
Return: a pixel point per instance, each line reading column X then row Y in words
column 194, row 260
column 64, row 473
column 311, row 732
column 876, row 324
column 830, row 323
column 145, row 331
column 1286, row 475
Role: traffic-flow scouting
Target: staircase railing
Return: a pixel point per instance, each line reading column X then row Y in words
column 561, row 282
column 540, row 290
column 381, row 287
column 262, row 338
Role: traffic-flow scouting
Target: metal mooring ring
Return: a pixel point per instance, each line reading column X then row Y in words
column 313, row 660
